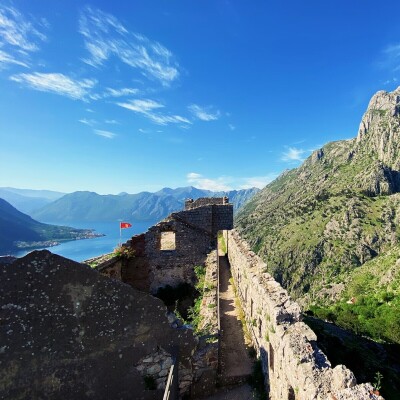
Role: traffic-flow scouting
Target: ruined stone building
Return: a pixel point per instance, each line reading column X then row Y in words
column 167, row 253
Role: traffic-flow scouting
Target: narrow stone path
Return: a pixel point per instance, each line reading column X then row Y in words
column 236, row 364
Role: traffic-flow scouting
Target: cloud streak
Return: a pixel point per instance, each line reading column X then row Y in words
column 148, row 108
column 293, row 154
column 204, row 113
column 56, row 83
column 110, row 92
column 105, row 37
column 6, row 58
column 89, row 122
column 199, row 181
column 391, row 59
column 18, row 36
column 227, row 183
column 105, row 134
column 257, row 181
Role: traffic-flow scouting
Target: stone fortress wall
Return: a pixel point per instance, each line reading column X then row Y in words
column 293, row 365
column 191, row 240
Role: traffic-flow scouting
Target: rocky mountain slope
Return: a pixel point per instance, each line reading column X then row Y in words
column 316, row 224
column 18, row 231
column 144, row 206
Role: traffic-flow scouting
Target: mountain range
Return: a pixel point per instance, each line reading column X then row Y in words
column 323, row 227
column 19, row 231
column 144, row 206
column 26, row 200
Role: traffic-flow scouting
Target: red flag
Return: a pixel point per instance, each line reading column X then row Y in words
column 124, row 225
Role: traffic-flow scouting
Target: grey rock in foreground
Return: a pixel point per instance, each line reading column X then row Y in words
column 68, row 332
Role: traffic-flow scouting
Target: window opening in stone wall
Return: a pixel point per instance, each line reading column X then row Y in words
column 167, row 241
column 291, row 394
column 271, row 358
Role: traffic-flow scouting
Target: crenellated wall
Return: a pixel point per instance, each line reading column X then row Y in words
column 205, row 201
column 294, row 367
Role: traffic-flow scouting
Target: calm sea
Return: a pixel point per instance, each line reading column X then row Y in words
column 79, row 250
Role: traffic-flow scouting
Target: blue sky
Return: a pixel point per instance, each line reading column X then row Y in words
column 139, row 95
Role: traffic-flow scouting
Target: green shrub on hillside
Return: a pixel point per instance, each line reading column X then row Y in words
column 375, row 315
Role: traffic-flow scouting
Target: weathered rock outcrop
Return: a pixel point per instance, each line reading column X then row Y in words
column 69, row 332
column 379, row 127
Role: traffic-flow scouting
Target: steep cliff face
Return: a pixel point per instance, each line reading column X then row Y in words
column 313, row 225
column 379, row 127
column 378, row 140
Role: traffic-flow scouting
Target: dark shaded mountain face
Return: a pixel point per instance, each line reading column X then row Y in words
column 27, row 200
column 144, row 206
column 316, row 224
column 18, row 230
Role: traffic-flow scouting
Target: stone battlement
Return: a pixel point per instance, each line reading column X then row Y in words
column 206, row 201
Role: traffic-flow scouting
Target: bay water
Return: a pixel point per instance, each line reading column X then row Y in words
column 80, row 250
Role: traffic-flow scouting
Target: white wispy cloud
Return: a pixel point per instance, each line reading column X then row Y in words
column 168, row 119
column 89, row 122
column 105, row 36
column 199, row 181
column 256, row 181
column 19, row 36
column 293, row 154
column 226, row 183
column 111, row 122
column 56, row 83
column 110, row 92
column 106, row 134
column 17, row 31
column 231, row 127
column 393, row 50
column 6, row 58
column 204, row 113
column 148, row 108
column 142, row 106
column 391, row 59
column 390, row 81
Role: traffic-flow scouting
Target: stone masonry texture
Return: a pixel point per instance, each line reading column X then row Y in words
column 294, row 366
column 195, row 230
